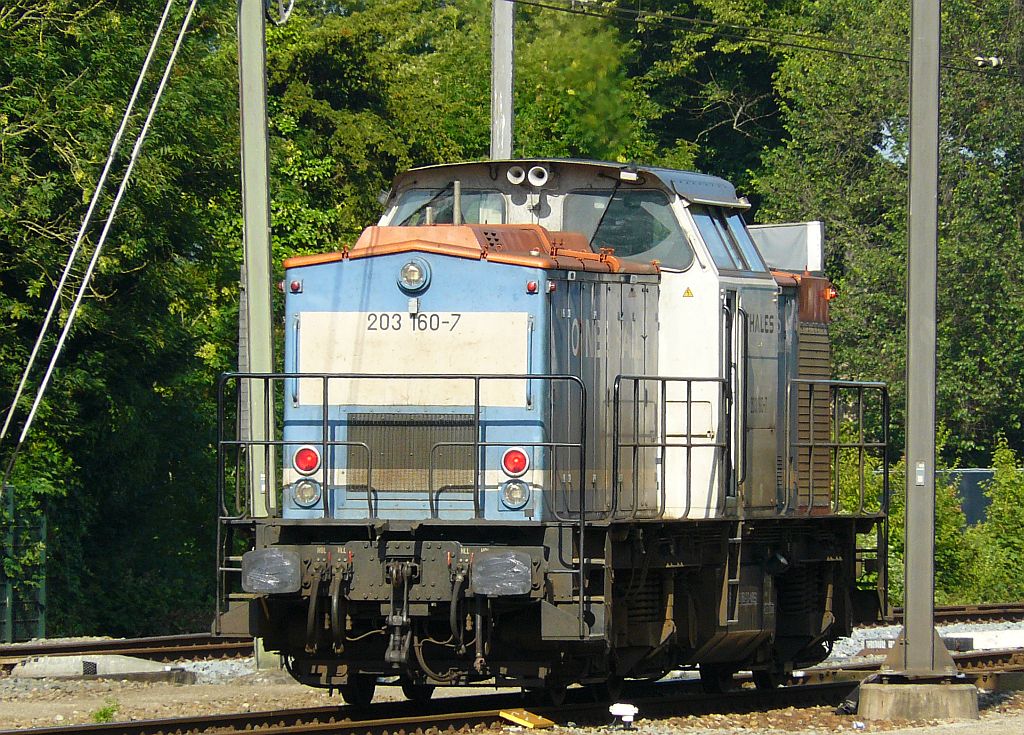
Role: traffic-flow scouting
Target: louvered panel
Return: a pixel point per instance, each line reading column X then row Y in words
column 814, row 362
column 403, row 448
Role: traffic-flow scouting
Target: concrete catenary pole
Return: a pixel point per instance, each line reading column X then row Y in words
column 259, row 350
column 502, row 77
column 920, row 652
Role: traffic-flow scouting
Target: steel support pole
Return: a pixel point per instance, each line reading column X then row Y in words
column 919, row 651
column 7, row 624
column 502, row 77
column 259, row 357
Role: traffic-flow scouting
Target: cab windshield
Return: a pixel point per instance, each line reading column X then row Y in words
column 479, row 206
column 638, row 224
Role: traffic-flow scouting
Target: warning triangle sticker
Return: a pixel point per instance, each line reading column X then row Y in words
column 687, row 293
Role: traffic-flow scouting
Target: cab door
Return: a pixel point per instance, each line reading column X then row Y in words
column 733, row 370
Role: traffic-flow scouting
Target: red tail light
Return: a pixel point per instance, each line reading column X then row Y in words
column 515, row 462
column 306, row 460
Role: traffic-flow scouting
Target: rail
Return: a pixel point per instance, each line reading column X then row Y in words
column 810, row 687
column 189, row 646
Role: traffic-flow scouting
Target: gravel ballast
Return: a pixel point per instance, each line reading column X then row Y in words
column 234, row 685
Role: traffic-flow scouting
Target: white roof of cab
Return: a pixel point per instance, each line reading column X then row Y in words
column 690, row 185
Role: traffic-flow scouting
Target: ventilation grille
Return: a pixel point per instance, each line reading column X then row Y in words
column 402, row 447
column 814, row 465
column 645, row 604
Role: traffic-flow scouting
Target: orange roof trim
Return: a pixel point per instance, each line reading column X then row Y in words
column 526, row 245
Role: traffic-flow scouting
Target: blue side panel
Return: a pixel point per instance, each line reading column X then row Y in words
column 456, row 285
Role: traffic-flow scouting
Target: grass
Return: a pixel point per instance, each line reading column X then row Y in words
column 106, row 712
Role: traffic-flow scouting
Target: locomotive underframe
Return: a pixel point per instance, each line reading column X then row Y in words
column 377, row 599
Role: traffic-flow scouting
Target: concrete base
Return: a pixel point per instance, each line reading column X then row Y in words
column 918, row 702
column 266, row 661
column 103, row 666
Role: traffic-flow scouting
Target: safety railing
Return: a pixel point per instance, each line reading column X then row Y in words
column 276, row 386
column 833, row 420
column 839, row 460
column 646, row 429
column 229, row 446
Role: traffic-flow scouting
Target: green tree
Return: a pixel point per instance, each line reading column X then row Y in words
column 998, row 541
column 119, row 457
column 844, row 161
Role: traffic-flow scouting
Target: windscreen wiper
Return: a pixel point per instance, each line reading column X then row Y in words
column 433, row 200
column 607, row 206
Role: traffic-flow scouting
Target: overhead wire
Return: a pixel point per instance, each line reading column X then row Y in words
column 80, row 238
column 749, row 33
column 102, row 240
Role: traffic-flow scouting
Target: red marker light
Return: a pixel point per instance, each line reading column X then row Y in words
column 831, row 293
column 532, row 287
column 515, row 462
column 306, row 460
column 295, row 286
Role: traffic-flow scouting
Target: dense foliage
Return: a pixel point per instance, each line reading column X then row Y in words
column 120, row 458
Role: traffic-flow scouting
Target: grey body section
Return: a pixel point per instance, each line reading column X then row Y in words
column 602, row 328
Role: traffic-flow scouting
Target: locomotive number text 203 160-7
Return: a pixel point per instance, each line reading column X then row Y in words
column 399, row 322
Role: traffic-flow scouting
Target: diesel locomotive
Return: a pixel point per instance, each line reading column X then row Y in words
column 554, row 422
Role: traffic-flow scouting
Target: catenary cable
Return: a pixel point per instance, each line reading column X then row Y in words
column 746, row 33
column 97, row 193
column 102, row 240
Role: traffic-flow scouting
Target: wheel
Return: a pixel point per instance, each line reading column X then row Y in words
column 765, row 679
column 554, row 694
column 359, row 690
column 548, row 695
column 419, row 693
column 715, row 679
column 607, row 691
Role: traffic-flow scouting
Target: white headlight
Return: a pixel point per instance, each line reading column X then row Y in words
column 266, row 571
column 515, row 494
column 414, row 275
column 306, row 493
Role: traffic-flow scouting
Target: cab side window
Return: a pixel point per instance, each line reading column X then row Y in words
column 727, row 239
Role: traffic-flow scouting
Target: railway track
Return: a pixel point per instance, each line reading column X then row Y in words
column 203, row 645
column 157, row 648
column 678, row 698
column 459, row 713
column 1008, row 612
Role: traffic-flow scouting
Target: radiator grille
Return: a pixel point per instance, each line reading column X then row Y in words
column 401, row 445
column 814, row 362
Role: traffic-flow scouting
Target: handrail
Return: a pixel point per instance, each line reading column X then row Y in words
column 835, row 444
column 721, row 444
column 742, row 383
column 564, row 516
column 324, row 443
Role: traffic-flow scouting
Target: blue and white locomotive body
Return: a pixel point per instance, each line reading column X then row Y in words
column 354, row 317
column 553, row 422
